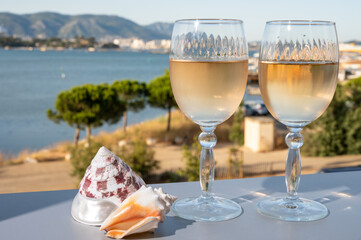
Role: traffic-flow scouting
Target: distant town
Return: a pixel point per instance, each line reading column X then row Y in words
column 90, row 44
column 350, row 52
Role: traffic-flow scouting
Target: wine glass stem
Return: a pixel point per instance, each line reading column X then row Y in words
column 208, row 140
column 294, row 141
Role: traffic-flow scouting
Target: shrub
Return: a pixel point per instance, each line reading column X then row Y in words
column 81, row 158
column 136, row 154
column 139, row 157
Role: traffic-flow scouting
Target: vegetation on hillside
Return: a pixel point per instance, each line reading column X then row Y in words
column 53, row 42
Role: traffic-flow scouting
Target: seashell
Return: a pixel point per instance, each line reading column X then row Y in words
column 107, row 182
column 140, row 212
column 109, row 176
column 92, row 211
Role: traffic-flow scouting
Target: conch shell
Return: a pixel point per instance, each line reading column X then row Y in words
column 107, row 182
column 140, row 212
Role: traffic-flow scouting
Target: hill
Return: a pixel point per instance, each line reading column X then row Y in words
column 161, row 27
column 102, row 27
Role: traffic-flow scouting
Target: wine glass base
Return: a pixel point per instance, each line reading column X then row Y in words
column 210, row 209
column 298, row 210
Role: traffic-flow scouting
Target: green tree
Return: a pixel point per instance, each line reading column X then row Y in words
column 352, row 124
column 326, row 136
column 133, row 94
column 14, row 42
column 82, row 42
column 353, row 133
column 338, row 131
column 87, row 106
column 91, row 41
column 161, row 95
column 353, row 92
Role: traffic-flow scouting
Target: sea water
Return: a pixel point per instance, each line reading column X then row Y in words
column 31, row 80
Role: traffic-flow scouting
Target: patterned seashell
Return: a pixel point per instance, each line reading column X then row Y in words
column 107, row 182
column 108, row 176
column 140, row 212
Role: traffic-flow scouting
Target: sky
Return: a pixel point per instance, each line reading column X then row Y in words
column 254, row 13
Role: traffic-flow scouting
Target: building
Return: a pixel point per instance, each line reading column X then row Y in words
column 135, row 44
column 350, row 61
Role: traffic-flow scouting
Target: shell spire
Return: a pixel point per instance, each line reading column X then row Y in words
column 140, row 212
column 107, row 182
column 108, row 176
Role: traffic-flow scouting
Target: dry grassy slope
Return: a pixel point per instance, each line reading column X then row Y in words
column 53, row 173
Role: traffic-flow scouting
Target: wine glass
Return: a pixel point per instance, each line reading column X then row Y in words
column 298, row 69
column 208, row 66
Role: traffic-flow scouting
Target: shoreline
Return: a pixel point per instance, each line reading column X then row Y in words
column 60, row 146
column 90, row 50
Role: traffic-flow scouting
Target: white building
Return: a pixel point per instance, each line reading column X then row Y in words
column 123, row 42
column 349, row 47
column 158, row 44
column 140, row 45
column 350, row 61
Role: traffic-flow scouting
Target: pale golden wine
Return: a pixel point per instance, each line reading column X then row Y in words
column 208, row 92
column 299, row 91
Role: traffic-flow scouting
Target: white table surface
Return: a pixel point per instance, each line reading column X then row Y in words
column 46, row 215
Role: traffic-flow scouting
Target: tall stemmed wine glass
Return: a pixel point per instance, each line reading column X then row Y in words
column 208, row 66
column 298, row 68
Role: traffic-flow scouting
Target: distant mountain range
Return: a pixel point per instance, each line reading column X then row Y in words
column 102, row 27
column 161, row 27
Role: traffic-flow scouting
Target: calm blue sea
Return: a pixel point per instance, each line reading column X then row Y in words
column 30, row 82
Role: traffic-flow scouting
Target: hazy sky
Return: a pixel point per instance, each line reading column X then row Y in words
column 254, row 13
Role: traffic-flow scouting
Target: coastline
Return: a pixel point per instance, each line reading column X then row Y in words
column 90, row 50
column 151, row 128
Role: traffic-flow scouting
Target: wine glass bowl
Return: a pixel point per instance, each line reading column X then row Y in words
column 208, row 66
column 216, row 88
column 298, row 70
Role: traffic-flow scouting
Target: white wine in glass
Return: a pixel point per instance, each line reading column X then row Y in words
column 208, row 67
column 298, row 70
column 208, row 92
column 297, row 91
